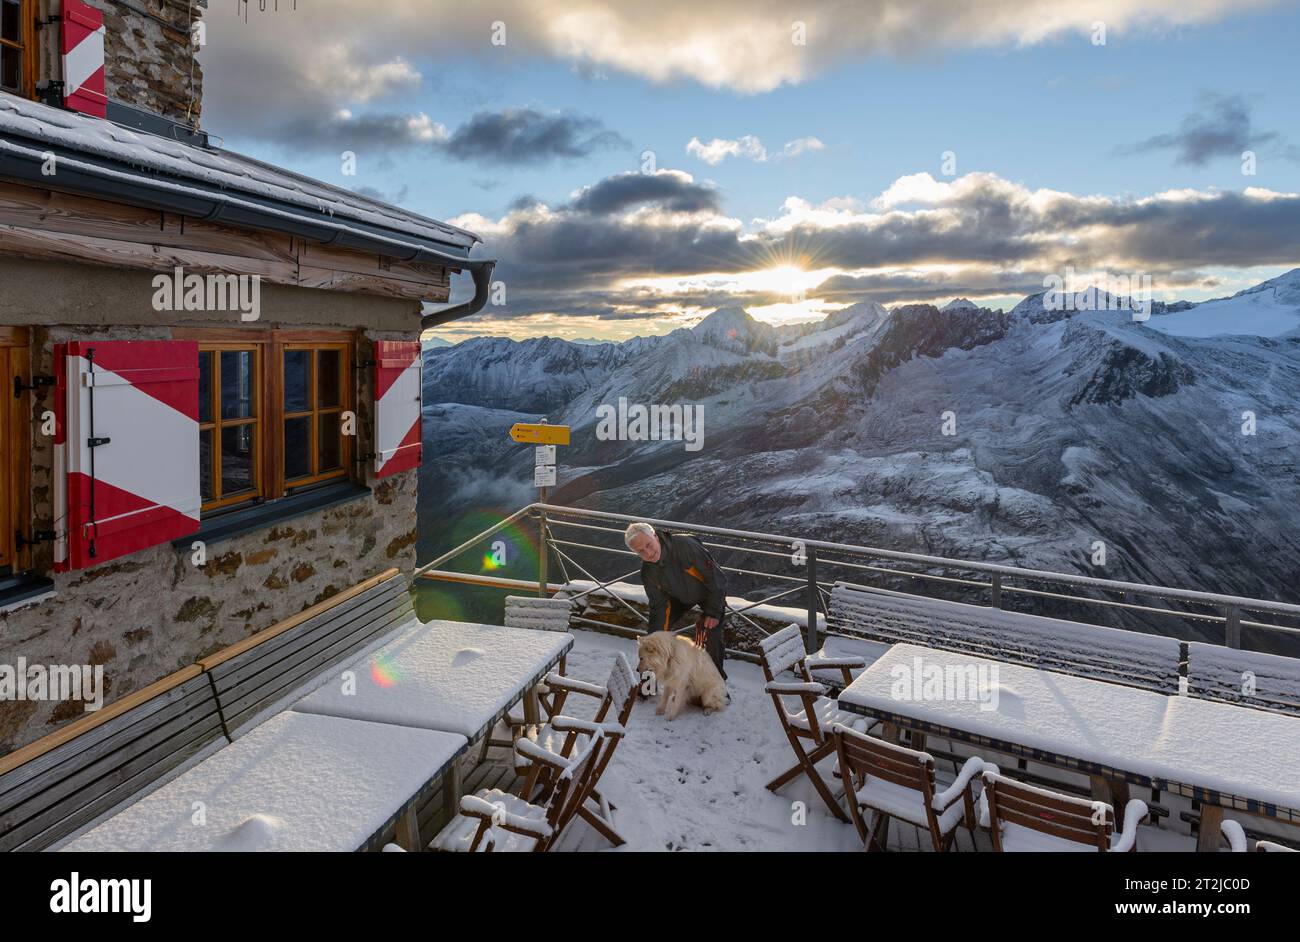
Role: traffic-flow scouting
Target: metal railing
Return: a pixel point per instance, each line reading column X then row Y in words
column 808, row 563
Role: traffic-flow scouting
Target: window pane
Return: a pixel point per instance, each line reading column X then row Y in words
column 236, row 384
column 205, row 387
column 329, row 444
column 205, row 465
column 328, row 364
column 236, row 460
column 297, row 376
column 11, row 68
column 10, row 21
column 297, row 447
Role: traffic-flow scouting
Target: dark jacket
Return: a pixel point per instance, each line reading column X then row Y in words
column 685, row 574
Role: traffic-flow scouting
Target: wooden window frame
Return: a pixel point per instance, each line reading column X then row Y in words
column 15, row 434
column 28, row 47
column 315, row 411
column 270, row 344
column 218, row 423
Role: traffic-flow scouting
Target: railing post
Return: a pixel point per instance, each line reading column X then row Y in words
column 810, row 635
column 1232, row 627
column 995, row 586
column 543, row 549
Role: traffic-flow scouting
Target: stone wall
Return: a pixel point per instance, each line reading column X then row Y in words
column 145, row 615
column 148, row 57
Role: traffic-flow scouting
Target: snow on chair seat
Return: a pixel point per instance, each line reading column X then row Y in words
column 784, row 651
column 492, row 820
column 1246, row 678
column 1131, row 658
column 828, row 715
column 896, row 782
column 1025, row 818
column 828, row 665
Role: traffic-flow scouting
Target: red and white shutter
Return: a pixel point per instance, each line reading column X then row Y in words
column 130, row 448
column 82, row 46
column 397, row 406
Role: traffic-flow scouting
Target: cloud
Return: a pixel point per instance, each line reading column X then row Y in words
column 282, row 63
column 520, row 136
column 669, row 190
column 628, row 246
column 1221, row 127
column 748, row 147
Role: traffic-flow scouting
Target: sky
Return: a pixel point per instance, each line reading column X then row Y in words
column 636, row 166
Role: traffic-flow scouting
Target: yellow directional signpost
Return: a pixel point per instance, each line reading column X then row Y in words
column 545, row 437
column 542, row 434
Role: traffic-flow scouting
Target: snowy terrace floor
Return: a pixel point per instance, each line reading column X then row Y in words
column 698, row 783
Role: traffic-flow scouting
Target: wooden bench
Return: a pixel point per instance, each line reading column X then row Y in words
column 255, row 674
column 65, row 780
column 1131, row 658
column 1248, row 678
column 60, row 783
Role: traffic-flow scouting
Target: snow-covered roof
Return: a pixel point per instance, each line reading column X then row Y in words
column 29, row 128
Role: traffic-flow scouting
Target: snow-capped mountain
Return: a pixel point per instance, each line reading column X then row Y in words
column 1023, row 437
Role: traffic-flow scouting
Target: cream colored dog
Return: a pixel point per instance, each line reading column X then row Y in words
column 683, row 673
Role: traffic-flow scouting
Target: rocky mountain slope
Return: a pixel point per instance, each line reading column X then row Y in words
column 1024, row 437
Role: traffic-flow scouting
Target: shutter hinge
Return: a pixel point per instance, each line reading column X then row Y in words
column 363, row 364
column 96, row 442
column 37, row 537
column 37, row 382
column 362, row 459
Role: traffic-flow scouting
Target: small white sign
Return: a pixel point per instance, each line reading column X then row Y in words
column 545, row 454
column 544, row 475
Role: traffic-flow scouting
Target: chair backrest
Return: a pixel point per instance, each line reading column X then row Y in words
column 573, row 785
column 261, row 670
column 58, row 784
column 782, row 650
column 863, row 758
column 1061, row 816
column 524, row 611
column 1248, row 678
column 621, row 688
column 1131, row 658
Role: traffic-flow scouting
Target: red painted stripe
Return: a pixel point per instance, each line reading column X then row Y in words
column 167, row 370
column 391, row 358
column 407, row 455
column 139, row 523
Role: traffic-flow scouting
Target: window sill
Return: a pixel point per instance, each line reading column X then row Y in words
column 23, row 589
column 246, row 520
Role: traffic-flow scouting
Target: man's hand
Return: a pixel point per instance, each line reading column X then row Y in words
column 702, row 628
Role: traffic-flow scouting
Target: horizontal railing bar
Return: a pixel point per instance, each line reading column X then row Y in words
column 944, row 562
column 490, row 582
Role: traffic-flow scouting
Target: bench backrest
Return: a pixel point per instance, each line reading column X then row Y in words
column 59, row 783
column 266, row 667
column 1131, row 658
column 524, row 611
column 1249, row 678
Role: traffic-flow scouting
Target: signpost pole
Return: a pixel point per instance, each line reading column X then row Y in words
column 543, row 550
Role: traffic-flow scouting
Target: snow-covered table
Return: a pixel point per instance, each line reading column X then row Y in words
column 298, row 782
column 1218, row 753
column 445, row 675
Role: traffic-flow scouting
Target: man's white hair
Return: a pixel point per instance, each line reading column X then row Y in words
column 635, row 530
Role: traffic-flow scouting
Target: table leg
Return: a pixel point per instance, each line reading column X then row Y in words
column 451, row 790
column 918, row 741
column 1209, row 839
column 532, row 707
column 890, row 732
column 408, row 831
column 1112, row 791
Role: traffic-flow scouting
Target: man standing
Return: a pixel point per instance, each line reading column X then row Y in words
column 678, row 573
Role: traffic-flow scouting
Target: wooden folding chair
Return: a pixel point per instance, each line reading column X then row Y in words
column 493, row 820
column 1024, row 817
column 812, row 725
column 560, row 738
column 895, row 782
